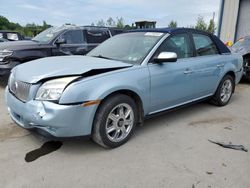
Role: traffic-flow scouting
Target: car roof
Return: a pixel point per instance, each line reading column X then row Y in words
column 87, row 27
column 221, row 46
column 169, row 30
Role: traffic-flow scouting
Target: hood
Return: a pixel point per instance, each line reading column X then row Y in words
column 242, row 50
column 19, row 45
column 242, row 46
column 49, row 67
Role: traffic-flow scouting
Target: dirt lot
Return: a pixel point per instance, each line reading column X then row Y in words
column 168, row 151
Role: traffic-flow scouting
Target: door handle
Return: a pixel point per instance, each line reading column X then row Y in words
column 188, row 71
column 220, row 65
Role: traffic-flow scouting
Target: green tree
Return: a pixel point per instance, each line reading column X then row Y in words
column 110, row 22
column 28, row 30
column 201, row 24
column 172, row 24
column 4, row 23
column 100, row 23
column 45, row 25
column 120, row 22
column 211, row 27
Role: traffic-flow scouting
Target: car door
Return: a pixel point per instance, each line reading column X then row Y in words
column 208, row 65
column 75, row 43
column 172, row 83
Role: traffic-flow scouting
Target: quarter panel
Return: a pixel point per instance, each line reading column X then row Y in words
column 234, row 63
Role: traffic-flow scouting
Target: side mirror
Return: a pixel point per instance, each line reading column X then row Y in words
column 60, row 41
column 164, row 57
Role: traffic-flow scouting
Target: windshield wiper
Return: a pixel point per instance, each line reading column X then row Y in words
column 103, row 57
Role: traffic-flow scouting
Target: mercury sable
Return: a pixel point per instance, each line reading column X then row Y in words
column 109, row 91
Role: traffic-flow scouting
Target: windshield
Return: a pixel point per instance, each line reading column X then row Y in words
column 128, row 47
column 47, row 35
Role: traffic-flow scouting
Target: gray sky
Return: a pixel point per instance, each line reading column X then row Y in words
column 84, row 12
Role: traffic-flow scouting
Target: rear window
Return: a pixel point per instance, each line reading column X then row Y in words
column 204, row 45
column 97, row 36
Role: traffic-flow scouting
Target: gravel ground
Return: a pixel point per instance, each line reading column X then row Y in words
column 171, row 150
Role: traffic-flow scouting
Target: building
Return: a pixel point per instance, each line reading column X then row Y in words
column 234, row 20
column 145, row 24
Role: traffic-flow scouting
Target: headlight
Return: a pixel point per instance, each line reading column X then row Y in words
column 53, row 89
column 5, row 53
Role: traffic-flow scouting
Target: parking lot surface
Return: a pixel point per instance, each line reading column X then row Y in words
column 171, row 150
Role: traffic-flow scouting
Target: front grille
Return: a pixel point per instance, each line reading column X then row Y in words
column 19, row 89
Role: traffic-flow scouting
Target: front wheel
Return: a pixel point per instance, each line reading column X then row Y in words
column 115, row 121
column 224, row 91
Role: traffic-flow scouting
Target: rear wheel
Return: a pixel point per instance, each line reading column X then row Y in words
column 115, row 121
column 224, row 91
column 246, row 65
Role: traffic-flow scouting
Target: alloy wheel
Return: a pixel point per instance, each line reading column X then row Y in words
column 119, row 122
column 226, row 91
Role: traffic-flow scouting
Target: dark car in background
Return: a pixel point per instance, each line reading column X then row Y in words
column 11, row 35
column 242, row 46
column 55, row 41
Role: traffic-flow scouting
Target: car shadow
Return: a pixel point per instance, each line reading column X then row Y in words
column 168, row 118
column 84, row 145
column 75, row 145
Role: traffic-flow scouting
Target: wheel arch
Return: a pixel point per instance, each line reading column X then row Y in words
column 247, row 55
column 232, row 74
column 135, row 96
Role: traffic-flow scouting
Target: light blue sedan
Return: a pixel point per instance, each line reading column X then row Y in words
column 109, row 91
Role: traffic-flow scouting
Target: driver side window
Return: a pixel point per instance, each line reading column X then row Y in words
column 179, row 44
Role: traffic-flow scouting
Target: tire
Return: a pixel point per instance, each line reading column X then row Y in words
column 113, row 125
column 225, row 87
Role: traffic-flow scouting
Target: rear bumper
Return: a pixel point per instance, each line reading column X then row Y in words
column 57, row 120
column 6, row 68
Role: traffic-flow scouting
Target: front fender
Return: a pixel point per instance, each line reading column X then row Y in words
column 30, row 54
column 98, row 87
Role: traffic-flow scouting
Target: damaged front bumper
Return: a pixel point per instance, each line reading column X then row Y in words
column 55, row 119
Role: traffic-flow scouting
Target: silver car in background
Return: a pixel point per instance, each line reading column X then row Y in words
column 242, row 47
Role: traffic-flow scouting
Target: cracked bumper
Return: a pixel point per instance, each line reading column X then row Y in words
column 57, row 120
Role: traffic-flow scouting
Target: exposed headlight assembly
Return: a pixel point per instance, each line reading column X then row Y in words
column 53, row 89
